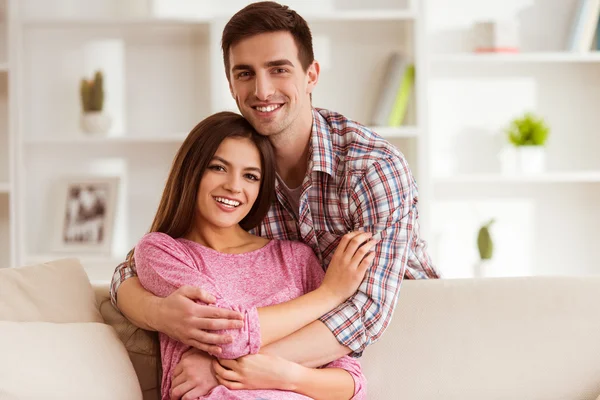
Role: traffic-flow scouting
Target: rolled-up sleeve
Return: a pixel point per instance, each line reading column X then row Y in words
column 383, row 201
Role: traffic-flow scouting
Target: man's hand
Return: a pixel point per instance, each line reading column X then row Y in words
column 257, row 371
column 181, row 318
column 190, row 379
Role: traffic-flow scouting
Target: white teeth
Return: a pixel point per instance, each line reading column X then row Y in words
column 267, row 108
column 228, row 202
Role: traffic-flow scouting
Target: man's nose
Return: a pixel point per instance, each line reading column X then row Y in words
column 264, row 87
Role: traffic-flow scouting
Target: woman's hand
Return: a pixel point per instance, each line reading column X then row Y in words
column 190, row 379
column 257, row 371
column 349, row 264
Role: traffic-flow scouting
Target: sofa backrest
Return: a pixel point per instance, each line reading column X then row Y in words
column 498, row 338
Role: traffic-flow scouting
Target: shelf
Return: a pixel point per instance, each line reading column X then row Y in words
column 4, row 187
column 86, row 22
column 82, row 139
column 336, row 15
column 390, row 132
column 362, row 15
column 550, row 177
column 557, row 57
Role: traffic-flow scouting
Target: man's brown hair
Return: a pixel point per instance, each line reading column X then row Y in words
column 267, row 17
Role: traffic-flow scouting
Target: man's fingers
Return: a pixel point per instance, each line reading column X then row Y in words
column 195, row 293
column 211, row 338
column 196, row 393
column 180, row 390
column 211, row 324
column 210, row 349
column 220, row 313
column 178, row 380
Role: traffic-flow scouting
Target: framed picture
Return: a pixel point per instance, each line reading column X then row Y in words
column 86, row 212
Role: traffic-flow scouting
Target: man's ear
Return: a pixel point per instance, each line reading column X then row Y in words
column 313, row 72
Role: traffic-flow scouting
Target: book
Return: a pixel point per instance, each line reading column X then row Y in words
column 584, row 25
column 390, row 83
column 402, row 97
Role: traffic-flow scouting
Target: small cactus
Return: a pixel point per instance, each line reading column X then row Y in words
column 484, row 241
column 92, row 93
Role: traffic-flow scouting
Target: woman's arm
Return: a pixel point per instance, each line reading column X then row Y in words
column 345, row 273
column 342, row 379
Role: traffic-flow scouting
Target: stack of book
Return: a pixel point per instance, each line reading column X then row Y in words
column 394, row 94
column 585, row 35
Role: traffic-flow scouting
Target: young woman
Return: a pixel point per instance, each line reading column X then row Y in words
column 221, row 184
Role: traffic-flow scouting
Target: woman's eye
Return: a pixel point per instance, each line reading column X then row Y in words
column 253, row 177
column 216, row 168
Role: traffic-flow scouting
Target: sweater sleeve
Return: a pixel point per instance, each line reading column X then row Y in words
column 164, row 265
column 352, row 366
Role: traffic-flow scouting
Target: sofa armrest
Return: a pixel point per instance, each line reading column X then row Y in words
column 143, row 346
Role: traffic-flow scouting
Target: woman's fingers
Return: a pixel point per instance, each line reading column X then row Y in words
column 346, row 239
column 362, row 251
column 226, row 374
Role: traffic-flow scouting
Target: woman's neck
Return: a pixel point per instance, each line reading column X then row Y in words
column 224, row 240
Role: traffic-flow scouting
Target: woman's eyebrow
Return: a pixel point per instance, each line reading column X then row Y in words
column 227, row 163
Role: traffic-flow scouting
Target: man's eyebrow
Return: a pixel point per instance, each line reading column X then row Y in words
column 242, row 67
column 227, row 164
column 278, row 63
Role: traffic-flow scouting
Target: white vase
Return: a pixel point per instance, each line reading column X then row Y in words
column 95, row 122
column 531, row 159
column 481, row 268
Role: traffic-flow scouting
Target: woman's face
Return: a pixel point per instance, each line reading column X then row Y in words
column 230, row 184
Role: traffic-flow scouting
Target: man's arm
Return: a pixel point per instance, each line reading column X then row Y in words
column 384, row 202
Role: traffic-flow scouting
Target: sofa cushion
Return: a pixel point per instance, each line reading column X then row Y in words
column 143, row 346
column 57, row 291
column 41, row 360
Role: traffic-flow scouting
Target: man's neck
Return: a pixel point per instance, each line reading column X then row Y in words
column 291, row 154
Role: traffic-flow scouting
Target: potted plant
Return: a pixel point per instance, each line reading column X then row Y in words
column 93, row 119
column 485, row 245
column 529, row 135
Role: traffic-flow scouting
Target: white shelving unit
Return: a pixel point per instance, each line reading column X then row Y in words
column 173, row 77
column 7, row 204
column 547, row 223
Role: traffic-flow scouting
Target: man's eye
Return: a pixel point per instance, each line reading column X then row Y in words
column 243, row 74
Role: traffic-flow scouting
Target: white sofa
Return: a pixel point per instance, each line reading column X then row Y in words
column 503, row 338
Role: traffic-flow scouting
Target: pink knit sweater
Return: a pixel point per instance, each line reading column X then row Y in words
column 278, row 272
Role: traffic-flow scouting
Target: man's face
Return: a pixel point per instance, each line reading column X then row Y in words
column 269, row 84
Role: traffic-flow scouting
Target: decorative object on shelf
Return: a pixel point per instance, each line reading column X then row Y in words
column 85, row 214
column 394, row 92
column 528, row 134
column 93, row 119
column 499, row 36
column 583, row 26
column 485, row 245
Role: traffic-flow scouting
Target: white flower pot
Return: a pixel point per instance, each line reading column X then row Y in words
column 95, row 122
column 531, row 159
column 482, row 268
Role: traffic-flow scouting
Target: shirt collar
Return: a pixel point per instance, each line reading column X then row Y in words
column 321, row 149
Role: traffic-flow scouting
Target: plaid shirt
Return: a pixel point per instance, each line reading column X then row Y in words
column 355, row 181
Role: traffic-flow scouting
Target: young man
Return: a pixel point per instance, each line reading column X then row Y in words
column 334, row 176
